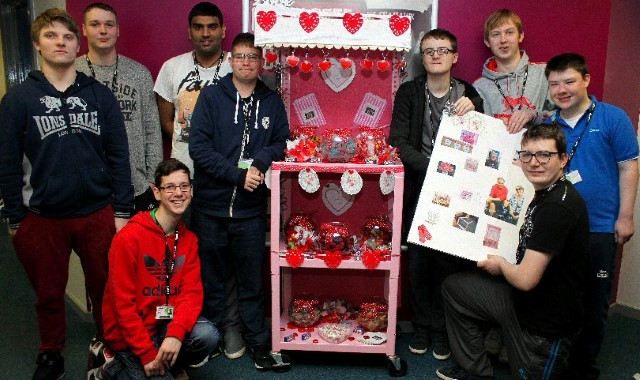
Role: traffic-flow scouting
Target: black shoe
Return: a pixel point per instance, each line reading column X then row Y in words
column 419, row 341
column 454, row 372
column 441, row 349
column 50, row 366
column 261, row 355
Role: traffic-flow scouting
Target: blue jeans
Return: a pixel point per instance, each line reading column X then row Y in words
column 233, row 245
column 197, row 345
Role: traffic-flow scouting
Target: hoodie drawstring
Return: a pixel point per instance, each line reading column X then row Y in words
column 235, row 118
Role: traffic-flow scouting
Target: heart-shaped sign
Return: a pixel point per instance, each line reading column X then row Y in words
column 346, row 63
column 266, row 20
column 336, row 77
column 352, row 22
column 271, row 57
column 294, row 257
column 306, row 66
column 292, row 60
column 366, row 64
column 336, row 200
column 332, row 259
column 398, row 24
column 309, row 21
column 383, row 65
column 371, row 259
column 324, row 65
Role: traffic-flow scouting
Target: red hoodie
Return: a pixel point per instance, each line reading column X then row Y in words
column 136, row 286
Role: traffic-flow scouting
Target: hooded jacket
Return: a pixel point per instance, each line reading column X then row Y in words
column 217, row 128
column 535, row 89
column 63, row 154
column 137, row 269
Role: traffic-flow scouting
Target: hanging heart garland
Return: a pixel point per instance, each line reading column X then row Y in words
column 387, row 182
column 309, row 21
column 266, row 20
column 292, row 60
column 351, row 182
column 383, row 65
column 271, row 57
column 308, row 180
column 366, row 63
column 306, row 66
column 398, row 24
column 352, row 22
column 324, row 65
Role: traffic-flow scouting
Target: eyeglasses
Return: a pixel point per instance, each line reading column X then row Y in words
column 441, row 51
column 542, row 156
column 170, row 189
column 251, row 56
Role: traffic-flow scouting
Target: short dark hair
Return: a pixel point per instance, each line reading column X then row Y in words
column 499, row 18
column 103, row 6
column 566, row 61
column 247, row 39
column 50, row 16
column 441, row 34
column 546, row 131
column 167, row 167
column 205, row 8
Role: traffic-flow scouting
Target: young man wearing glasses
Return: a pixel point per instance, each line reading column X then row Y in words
column 537, row 301
column 513, row 89
column 238, row 128
column 153, row 297
column 603, row 166
column 417, row 111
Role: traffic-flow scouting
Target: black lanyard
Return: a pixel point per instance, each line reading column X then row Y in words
column 216, row 75
column 575, row 145
column 114, row 81
column 169, row 259
column 524, row 85
column 435, row 124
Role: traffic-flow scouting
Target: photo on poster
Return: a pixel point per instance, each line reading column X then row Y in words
column 493, row 159
column 465, row 221
column 446, row 168
column 492, row 236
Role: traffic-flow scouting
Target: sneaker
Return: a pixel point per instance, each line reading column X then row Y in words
column 419, row 341
column 261, row 355
column 234, row 346
column 204, row 361
column 441, row 349
column 50, row 366
column 454, row 372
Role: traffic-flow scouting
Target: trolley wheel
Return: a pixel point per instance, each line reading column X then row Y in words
column 397, row 367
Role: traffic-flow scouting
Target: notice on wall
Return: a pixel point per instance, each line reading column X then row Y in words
column 474, row 196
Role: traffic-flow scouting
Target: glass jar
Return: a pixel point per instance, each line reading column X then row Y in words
column 374, row 314
column 376, row 231
column 334, row 236
column 304, row 310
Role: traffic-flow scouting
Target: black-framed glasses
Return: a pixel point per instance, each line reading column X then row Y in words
column 441, row 51
column 252, row 57
column 542, row 156
column 170, row 189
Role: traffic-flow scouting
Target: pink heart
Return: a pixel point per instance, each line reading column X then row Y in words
column 346, row 63
column 292, row 60
column 398, row 24
column 309, row 21
column 266, row 20
column 352, row 22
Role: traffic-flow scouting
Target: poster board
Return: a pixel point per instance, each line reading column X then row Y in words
column 454, row 214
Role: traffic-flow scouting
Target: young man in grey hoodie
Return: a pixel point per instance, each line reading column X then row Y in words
column 512, row 88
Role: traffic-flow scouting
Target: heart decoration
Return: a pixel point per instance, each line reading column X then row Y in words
column 324, row 65
column 383, row 65
column 309, row 21
column 335, row 200
column 306, row 66
column 346, row 63
column 398, row 24
column 424, row 233
column 292, row 60
column 400, row 65
column 332, row 259
column 352, row 22
column 371, row 259
column 271, row 57
column 266, row 20
column 294, row 257
column 366, row 64
column 336, row 77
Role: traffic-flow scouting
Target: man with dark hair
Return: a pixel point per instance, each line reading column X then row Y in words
column 132, row 85
column 537, row 301
column 238, row 128
column 65, row 178
column 417, row 111
column 513, row 89
column 603, row 166
column 153, row 297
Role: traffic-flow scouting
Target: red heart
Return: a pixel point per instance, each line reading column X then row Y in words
column 333, row 259
column 295, row 258
column 306, row 67
column 271, row 57
column 309, row 21
column 371, row 259
column 400, row 65
column 324, row 65
column 398, row 24
column 346, row 63
column 292, row 60
column 266, row 20
column 352, row 22
column 366, row 64
column 383, row 65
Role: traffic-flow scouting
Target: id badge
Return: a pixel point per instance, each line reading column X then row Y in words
column 245, row 163
column 574, row 177
column 164, row 312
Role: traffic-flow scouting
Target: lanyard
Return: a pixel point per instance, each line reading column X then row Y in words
column 575, row 145
column 524, row 85
column 246, row 110
column 114, row 81
column 169, row 259
column 435, row 124
column 216, row 75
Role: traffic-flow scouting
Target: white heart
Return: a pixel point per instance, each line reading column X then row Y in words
column 336, row 200
column 336, row 77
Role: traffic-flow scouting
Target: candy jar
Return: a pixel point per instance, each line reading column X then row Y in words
column 334, row 236
column 376, row 231
column 373, row 314
column 337, row 145
column 304, row 310
column 300, row 231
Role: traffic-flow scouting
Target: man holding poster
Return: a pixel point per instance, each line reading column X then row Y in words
column 537, row 301
column 417, row 112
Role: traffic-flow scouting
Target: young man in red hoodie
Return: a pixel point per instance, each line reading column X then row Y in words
column 154, row 295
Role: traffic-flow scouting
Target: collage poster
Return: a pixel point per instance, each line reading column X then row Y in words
column 474, row 196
